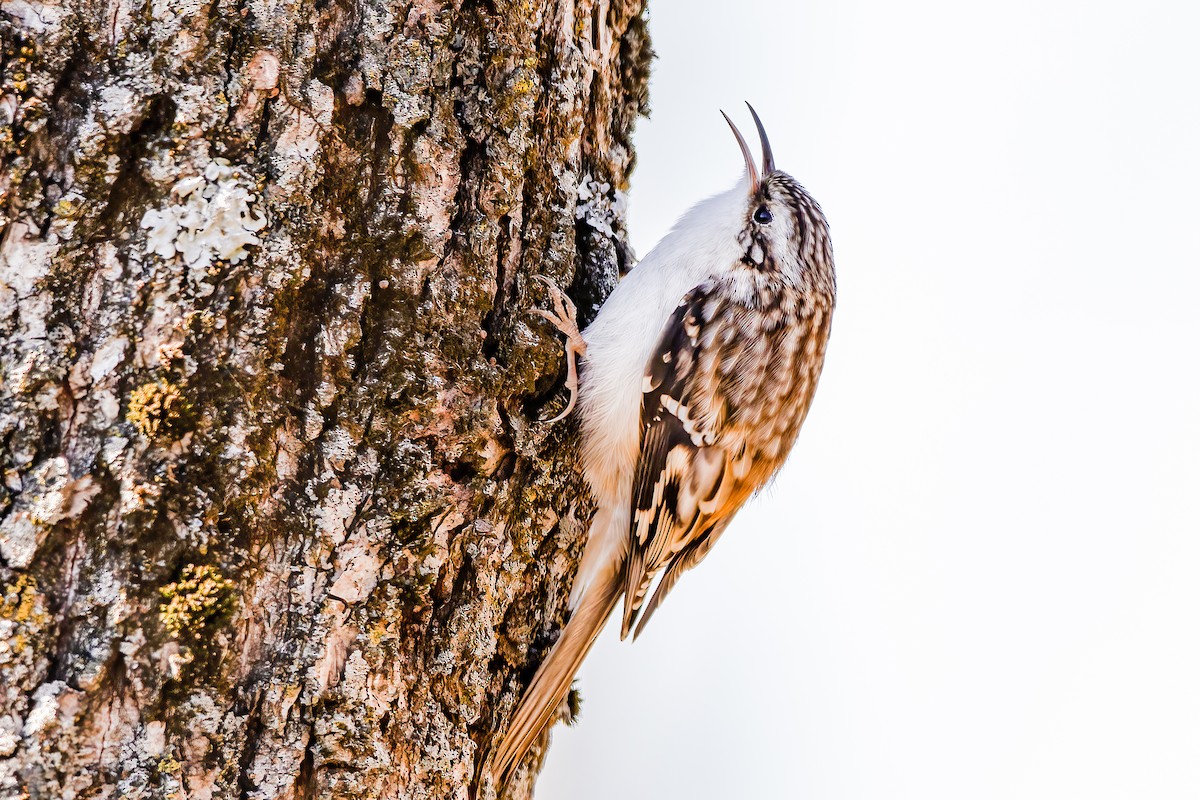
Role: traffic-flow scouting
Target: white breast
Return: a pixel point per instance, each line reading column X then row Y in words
column 627, row 329
column 620, row 342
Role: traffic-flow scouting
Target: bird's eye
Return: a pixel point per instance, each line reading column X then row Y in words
column 763, row 215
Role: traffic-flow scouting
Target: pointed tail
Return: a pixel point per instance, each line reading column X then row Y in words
column 540, row 703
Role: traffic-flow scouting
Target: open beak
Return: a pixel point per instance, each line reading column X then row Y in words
column 768, row 160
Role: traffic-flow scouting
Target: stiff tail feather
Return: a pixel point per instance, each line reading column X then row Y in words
column 540, row 703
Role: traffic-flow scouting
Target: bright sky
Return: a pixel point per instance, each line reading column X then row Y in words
column 979, row 575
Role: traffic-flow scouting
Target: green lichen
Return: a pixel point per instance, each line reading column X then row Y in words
column 201, row 599
column 158, row 409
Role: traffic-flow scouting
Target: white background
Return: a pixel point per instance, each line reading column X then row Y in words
column 979, row 575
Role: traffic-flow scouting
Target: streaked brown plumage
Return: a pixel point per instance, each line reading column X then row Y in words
column 699, row 371
column 721, row 409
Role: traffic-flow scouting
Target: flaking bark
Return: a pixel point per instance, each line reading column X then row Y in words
column 277, row 519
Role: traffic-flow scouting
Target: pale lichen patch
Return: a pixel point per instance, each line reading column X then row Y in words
column 45, row 708
column 50, row 495
column 110, row 354
column 212, row 221
column 25, row 260
column 600, row 205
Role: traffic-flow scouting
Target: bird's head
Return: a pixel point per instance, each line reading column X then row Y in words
column 783, row 231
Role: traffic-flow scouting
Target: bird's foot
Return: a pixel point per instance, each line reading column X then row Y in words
column 562, row 315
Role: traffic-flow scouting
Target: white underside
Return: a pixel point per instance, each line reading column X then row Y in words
column 620, row 342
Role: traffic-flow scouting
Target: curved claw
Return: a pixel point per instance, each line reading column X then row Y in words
column 563, row 318
column 561, row 415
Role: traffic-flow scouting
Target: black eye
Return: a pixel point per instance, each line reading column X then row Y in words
column 763, row 215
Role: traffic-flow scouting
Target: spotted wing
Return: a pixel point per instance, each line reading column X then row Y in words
column 724, row 395
column 686, row 480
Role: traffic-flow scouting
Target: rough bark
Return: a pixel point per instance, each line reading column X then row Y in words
column 277, row 518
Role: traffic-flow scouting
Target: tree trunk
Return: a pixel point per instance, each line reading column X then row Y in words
column 277, row 516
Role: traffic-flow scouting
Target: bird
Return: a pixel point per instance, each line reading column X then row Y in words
column 695, row 377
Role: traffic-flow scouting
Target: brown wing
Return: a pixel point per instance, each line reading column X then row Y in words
column 723, row 397
column 687, row 558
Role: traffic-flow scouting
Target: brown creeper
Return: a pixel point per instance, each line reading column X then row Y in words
column 697, row 374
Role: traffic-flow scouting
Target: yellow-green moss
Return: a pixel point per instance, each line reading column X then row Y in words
column 66, row 209
column 200, row 599
column 20, row 602
column 157, row 409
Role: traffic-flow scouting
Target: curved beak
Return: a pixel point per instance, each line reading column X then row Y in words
column 768, row 160
column 755, row 180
